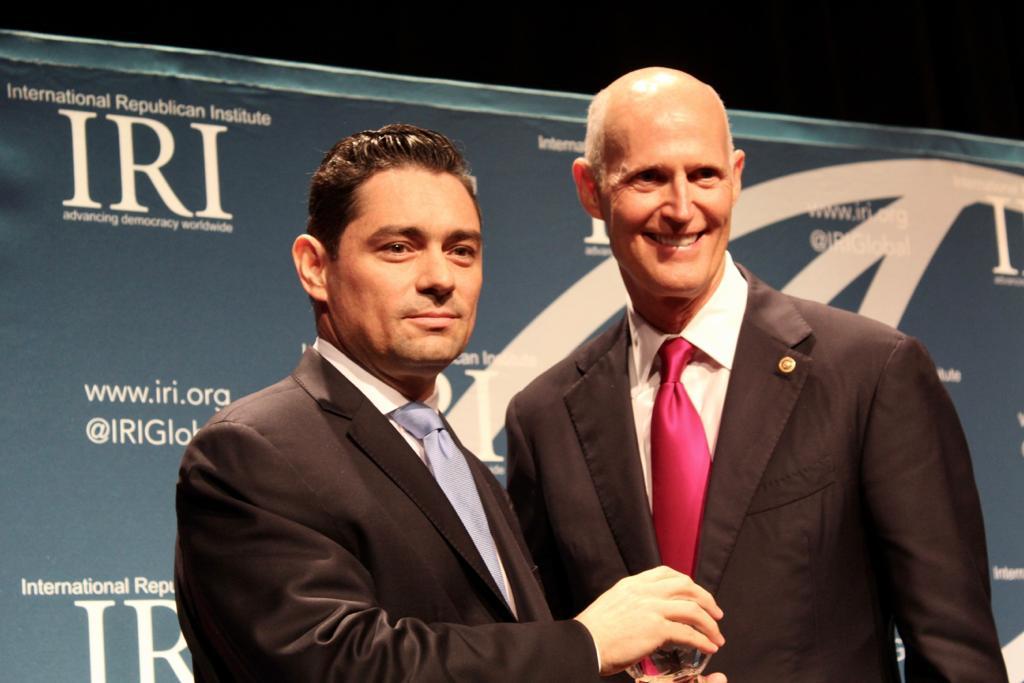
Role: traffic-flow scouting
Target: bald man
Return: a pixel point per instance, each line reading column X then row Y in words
column 801, row 463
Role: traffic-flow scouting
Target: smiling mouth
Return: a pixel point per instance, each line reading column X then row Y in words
column 677, row 241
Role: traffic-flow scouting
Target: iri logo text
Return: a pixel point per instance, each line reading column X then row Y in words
column 131, row 167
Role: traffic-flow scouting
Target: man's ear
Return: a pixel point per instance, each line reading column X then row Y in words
column 586, row 188
column 311, row 260
column 738, row 159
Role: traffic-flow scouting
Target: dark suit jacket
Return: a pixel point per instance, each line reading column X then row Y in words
column 313, row 545
column 841, row 500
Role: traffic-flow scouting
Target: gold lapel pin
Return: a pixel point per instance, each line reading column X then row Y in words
column 787, row 365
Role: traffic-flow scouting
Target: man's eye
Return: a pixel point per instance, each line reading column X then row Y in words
column 463, row 251
column 706, row 173
column 647, row 176
column 396, row 248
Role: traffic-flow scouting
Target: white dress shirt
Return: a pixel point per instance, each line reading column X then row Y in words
column 714, row 330
column 387, row 399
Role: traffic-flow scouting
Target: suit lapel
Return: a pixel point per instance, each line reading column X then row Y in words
column 526, row 591
column 374, row 435
column 529, row 598
column 598, row 400
column 759, row 401
column 531, row 605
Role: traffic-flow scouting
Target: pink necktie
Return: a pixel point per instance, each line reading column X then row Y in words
column 680, row 462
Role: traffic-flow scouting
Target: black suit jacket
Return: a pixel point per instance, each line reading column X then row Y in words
column 841, row 500
column 313, row 545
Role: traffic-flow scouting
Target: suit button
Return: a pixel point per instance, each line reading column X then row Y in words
column 787, row 365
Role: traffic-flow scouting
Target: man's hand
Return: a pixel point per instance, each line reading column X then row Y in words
column 641, row 613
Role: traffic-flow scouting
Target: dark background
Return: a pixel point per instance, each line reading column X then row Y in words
column 955, row 65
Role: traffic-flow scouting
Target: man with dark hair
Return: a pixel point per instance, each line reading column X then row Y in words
column 354, row 159
column 802, row 463
column 331, row 527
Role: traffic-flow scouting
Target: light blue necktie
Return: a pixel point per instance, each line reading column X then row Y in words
column 454, row 477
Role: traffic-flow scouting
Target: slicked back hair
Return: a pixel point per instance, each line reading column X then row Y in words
column 354, row 159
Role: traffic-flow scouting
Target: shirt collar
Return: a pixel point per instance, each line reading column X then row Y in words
column 382, row 395
column 714, row 329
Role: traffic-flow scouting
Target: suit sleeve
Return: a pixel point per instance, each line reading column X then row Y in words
column 528, row 495
column 265, row 596
column 926, row 518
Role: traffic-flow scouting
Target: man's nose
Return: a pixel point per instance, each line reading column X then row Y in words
column 435, row 275
column 678, row 206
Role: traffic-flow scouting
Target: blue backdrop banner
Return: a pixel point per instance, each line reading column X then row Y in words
column 149, row 200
